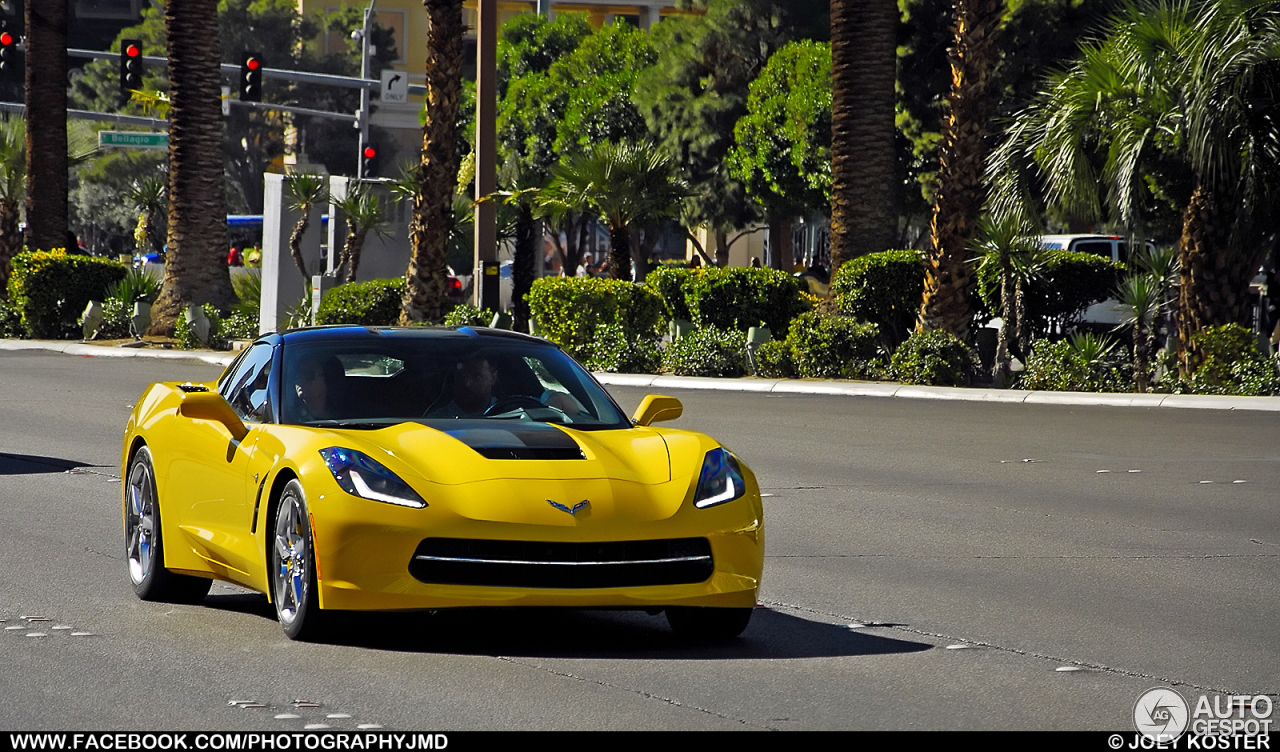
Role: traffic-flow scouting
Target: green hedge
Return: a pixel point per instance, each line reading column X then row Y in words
column 1069, row 283
column 1229, row 361
column 1084, row 363
column 832, row 347
column 933, row 358
column 707, row 352
column 51, row 289
column 373, row 303
column 570, row 309
column 884, row 289
column 670, row 283
column 741, row 297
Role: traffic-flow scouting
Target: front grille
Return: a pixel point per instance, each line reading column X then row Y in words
column 500, row 563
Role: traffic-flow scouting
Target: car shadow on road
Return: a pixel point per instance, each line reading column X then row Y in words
column 574, row 633
column 31, row 464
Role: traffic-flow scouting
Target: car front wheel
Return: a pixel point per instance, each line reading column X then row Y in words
column 293, row 567
column 143, row 545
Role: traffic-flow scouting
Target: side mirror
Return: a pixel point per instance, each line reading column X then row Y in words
column 211, row 406
column 657, row 407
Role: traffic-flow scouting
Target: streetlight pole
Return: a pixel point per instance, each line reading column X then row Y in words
column 362, row 117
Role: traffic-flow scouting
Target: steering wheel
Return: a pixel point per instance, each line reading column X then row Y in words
column 512, row 402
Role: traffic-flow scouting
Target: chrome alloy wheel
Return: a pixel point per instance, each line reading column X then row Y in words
column 140, row 523
column 292, row 573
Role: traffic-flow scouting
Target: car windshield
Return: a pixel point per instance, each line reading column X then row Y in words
column 373, row 383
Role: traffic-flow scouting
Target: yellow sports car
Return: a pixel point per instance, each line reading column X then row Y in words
column 352, row 468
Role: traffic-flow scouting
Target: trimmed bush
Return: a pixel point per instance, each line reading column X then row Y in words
column 670, row 283
column 882, row 288
column 832, row 347
column 10, row 320
column 372, row 303
column 742, row 297
column 615, row 352
column 51, row 289
column 115, row 319
column 933, row 358
column 773, row 360
column 1085, row 363
column 570, row 309
column 465, row 314
column 707, row 352
column 1069, row 283
column 240, row 325
column 1230, row 362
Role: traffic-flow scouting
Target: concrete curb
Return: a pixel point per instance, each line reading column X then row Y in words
column 766, row 386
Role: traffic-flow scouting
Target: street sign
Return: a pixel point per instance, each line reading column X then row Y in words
column 133, row 139
column 395, row 86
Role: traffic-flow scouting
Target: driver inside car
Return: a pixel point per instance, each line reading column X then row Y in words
column 473, row 393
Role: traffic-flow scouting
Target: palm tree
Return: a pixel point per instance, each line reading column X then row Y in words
column 426, row 294
column 195, row 269
column 1179, row 103
column 13, row 170
column 863, row 154
column 1012, row 254
column 46, row 153
column 961, row 189
column 626, row 185
column 1140, row 298
column 147, row 194
column 305, row 190
column 364, row 212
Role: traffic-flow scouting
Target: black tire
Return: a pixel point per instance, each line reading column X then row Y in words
column 708, row 624
column 293, row 570
column 144, row 545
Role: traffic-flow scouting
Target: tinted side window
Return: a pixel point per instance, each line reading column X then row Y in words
column 246, row 389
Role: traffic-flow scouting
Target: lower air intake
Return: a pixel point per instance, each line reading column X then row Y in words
column 533, row 564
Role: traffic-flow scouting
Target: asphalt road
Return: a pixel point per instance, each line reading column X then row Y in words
column 1137, row 547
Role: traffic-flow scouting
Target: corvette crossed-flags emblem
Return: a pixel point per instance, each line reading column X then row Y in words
column 571, row 510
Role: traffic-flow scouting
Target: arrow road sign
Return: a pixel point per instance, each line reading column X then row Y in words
column 395, row 86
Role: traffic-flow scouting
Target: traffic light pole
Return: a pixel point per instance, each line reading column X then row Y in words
column 362, row 117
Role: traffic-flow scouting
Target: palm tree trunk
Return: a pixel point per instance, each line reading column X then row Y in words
column 722, row 248
column 619, row 252
column 10, row 241
column 1000, row 370
column 524, row 266
column 295, row 242
column 1141, row 359
column 351, row 253
column 46, row 88
column 426, row 296
column 1214, row 277
column 962, row 157
column 195, row 269
column 864, row 60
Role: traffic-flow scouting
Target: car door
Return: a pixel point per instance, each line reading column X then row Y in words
column 220, row 508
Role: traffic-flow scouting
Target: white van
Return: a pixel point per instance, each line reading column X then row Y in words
column 1112, row 247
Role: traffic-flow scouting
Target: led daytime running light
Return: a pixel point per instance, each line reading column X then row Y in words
column 721, row 480
column 358, row 474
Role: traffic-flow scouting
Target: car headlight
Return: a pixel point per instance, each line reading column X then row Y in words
column 361, row 475
column 721, row 480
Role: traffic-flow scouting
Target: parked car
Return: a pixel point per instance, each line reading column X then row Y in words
column 1114, row 247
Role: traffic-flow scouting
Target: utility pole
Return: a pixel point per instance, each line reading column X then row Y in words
column 486, row 225
column 362, row 118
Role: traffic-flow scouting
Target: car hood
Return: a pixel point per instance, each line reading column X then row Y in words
column 466, row 451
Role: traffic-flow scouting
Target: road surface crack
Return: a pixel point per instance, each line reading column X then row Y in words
column 646, row 695
column 1016, row 651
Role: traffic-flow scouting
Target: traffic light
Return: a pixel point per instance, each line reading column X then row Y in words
column 251, row 78
column 368, row 161
column 130, row 66
column 8, row 51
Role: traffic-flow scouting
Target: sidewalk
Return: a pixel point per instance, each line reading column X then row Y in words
column 768, row 386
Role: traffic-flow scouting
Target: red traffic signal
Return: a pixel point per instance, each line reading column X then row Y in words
column 251, row 77
column 6, row 38
column 9, row 54
column 370, row 152
column 130, row 66
column 368, row 161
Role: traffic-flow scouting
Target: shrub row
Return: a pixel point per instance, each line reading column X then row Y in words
column 569, row 310
column 729, row 298
column 50, row 290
